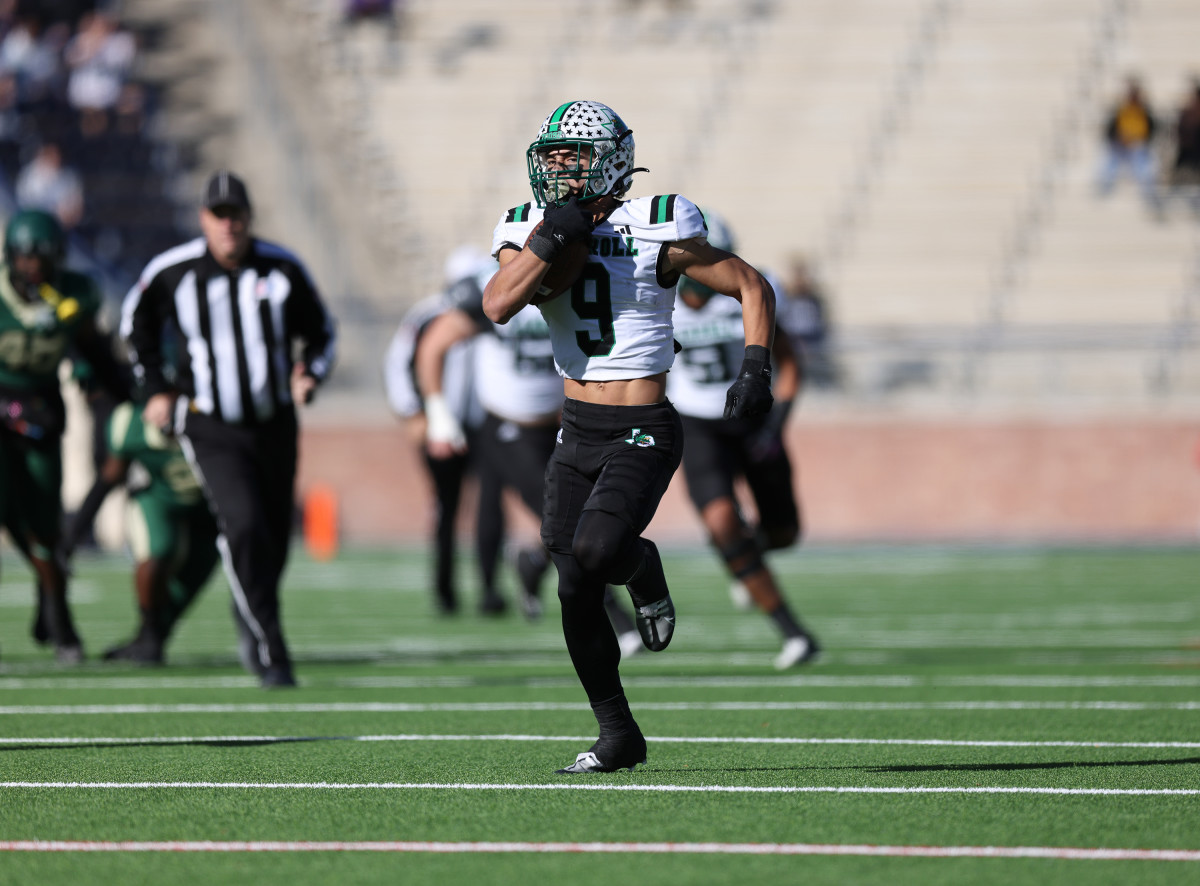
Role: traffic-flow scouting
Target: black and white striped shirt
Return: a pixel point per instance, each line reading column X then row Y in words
column 237, row 330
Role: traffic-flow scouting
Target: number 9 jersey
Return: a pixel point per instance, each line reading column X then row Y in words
column 616, row 321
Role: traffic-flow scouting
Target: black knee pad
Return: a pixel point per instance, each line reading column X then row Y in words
column 606, row 547
column 745, row 551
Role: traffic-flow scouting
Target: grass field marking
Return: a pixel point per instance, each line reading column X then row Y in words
column 805, row 681
column 462, row 707
column 666, row 739
column 1049, row 852
column 592, row 786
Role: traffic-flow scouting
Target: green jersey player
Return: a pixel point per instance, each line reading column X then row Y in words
column 46, row 312
column 172, row 533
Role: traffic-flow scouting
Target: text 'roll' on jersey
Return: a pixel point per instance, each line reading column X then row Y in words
column 616, row 321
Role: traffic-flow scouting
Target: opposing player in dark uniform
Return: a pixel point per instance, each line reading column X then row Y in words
column 720, row 451
column 172, row 534
column 621, row 440
column 45, row 311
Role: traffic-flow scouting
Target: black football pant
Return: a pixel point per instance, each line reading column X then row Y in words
column 248, row 475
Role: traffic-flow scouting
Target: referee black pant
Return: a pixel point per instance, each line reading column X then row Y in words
column 248, row 474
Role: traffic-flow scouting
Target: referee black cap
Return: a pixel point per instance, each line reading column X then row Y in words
column 226, row 189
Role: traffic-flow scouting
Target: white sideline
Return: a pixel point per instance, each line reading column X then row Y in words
column 666, row 739
column 411, row 707
column 1051, row 852
column 592, row 786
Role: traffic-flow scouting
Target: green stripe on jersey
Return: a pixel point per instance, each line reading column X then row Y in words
column 662, row 209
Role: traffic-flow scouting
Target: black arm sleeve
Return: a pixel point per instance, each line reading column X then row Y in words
column 86, row 514
column 97, row 349
column 313, row 324
column 142, row 328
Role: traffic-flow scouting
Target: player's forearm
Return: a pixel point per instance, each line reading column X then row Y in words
column 758, row 311
column 512, row 287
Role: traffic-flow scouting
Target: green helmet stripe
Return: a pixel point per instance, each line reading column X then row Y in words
column 556, row 117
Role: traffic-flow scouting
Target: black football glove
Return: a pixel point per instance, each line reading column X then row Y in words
column 561, row 225
column 750, row 393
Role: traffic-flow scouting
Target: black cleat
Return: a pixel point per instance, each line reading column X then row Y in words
column 39, row 630
column 530, row 568
column 609, row 755
column 278, row 677
column 656, row 623
column 247, row 646
column 492, row 604
column 141, row 650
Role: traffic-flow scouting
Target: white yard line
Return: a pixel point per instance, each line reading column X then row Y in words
column 798, row 681
column 413, row 707
column 578, row 785
column 666, row 739
column 1051, row 852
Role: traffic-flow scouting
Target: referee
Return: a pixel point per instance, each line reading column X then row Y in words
column 253, row 340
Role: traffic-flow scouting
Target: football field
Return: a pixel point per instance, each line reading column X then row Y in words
column 983, row 715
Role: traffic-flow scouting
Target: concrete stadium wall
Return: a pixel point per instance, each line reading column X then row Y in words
column 861, row 480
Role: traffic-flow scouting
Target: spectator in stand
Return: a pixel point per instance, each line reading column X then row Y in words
column 804, row 315
column 389, row 14
column 1129, row 132
column 32, row 52
column 100, row 57
column 1185, row 168
column 45, row 183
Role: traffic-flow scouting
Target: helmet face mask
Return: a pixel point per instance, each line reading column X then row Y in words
column 581, row 142
column 32, row 233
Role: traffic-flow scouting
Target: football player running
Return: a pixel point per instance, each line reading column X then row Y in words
column 719, row 451
column 441, row 425
column 45, row 311
column 612, row 336
column 521, row 395
column 171, row 531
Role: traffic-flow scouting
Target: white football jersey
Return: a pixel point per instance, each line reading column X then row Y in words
column 615, row 322
column 399, row 373
column 515, row 376
column 714, row 343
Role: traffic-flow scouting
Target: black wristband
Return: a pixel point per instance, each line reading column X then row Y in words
column 757, row 361
column 545, row 248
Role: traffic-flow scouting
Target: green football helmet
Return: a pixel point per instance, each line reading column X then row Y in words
column 33, row 232
column 599, row 136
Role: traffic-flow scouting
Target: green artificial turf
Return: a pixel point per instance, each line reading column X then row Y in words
column 969, row 670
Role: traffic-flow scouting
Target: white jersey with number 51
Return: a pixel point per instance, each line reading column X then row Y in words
column 616, row 321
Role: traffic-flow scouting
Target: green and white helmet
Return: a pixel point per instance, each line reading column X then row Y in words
column 600, row 136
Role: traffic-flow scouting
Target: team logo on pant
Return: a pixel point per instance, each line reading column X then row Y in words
column 637, row 438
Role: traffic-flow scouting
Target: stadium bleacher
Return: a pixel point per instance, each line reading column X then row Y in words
column 934, row 157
